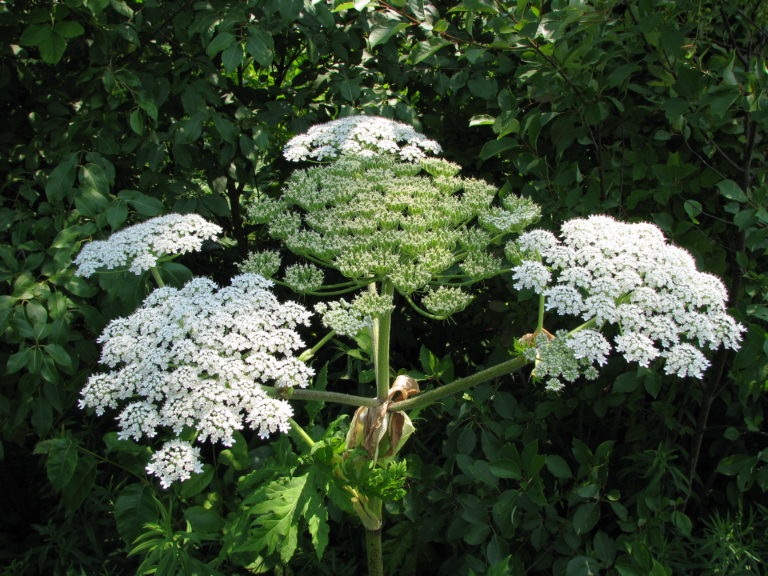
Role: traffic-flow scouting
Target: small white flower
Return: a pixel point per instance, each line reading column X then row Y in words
column 193, row 358
column 636, row 347
column 176, row 461
column 360, row 135
column 532, row 275
column 684, row 360
column 138, row 247
column 590, row 345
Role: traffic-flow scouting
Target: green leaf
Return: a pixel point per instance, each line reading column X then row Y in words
column 506, row 468
column 558, row 466
column 732, row 191
column 225, row 127
column 18, row 360
column 220, row 42
column 426, row 48
column 117, row 214
column 175, row 274
column 121, row 8
column 52, row 48
column 143, row 204
column 68, row 29
column 693, row 209
column 204, row 519
column 35, row 34
column 232, row 57
column 277, row 508
column 59, row 355
column 466, row 441
column 496, row 147
column 62, row 460
column 586, row 517
column 134, row 507
column 93, row 194
column 381, row 34
column 136, row 121
column 197, row 482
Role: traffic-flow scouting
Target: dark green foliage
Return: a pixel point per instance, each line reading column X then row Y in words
column 117, row 111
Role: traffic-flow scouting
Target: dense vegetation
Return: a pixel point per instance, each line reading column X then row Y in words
column 117, row 111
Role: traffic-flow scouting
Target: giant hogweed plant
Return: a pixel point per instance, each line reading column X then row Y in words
column 376, row 220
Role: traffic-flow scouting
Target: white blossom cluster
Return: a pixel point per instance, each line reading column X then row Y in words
column 360, row 136
column 416, row 225
column 611, row 273
column 139, row 247
column 192, row 360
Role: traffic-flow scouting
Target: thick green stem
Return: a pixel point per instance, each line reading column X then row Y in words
column 461, row 384
column 156, row 275
column 320, row 396
column 373, row 549
column 300, row 433
column 309, row 353
column 540, row 320
column 382, row 326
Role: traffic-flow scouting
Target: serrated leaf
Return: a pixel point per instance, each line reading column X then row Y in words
column 134, row 507
column 276, row 510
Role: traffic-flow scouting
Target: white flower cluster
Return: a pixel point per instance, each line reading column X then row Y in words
column 613, row 273
column 192, row 359
column 139, row 247
column 360, row 136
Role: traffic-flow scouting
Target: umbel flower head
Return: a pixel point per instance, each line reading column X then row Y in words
column 360, row 136
column 191, row 360
column 418, row 226
column 607, row 273
column 139, row 247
